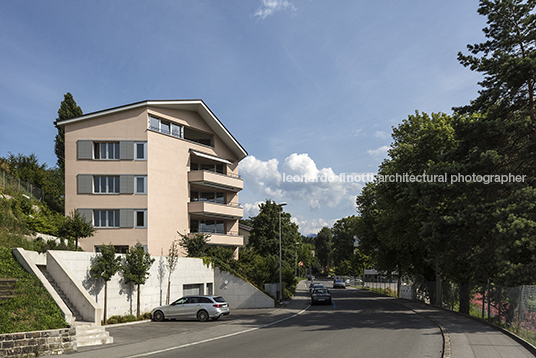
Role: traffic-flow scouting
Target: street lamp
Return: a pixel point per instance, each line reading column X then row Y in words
column 296, row 263
column 280, row 276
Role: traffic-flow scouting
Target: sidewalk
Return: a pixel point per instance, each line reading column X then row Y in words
column 466, row 337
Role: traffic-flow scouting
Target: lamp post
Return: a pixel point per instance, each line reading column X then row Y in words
column 280, row 276
column 296, row 262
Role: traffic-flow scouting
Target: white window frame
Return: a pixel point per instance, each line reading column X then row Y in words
column 97, row 215
column 144, row 151
column 116, row 150
column 116, row 184
column 144, row 226
column 144, row 178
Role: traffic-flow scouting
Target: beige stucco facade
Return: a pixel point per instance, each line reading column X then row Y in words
column 145, row 171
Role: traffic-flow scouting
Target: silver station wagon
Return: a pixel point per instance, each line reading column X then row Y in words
column 192, row 307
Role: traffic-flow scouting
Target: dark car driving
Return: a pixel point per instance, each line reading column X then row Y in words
column 320, row 295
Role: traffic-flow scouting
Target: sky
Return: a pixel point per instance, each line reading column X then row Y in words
column 310, row 88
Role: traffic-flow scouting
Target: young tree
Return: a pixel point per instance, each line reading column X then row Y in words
column 136, row 267
column 68, row 109
column 105, row 266
column 76, row 227
column 172, row 259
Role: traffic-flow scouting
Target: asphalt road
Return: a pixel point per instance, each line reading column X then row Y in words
column 357, row 324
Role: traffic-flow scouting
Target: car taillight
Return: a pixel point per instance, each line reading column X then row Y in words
column 218, row 305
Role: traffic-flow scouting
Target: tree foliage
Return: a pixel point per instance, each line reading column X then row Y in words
column 105, row 267
column 76, row 227
column 68, row 109
column 135, row 268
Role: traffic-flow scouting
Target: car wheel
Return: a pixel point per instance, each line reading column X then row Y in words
column 216, row 318
column 158, row 316
column 202, row 316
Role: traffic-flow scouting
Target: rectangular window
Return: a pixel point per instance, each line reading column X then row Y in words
column 106, row 218
column 218, row 168
column 106, row 185
column 141, row 184
column 176, row 130
column 141, row 219
column 207, row 226
column 141, row 150
column 213, row 197
column 106, row 150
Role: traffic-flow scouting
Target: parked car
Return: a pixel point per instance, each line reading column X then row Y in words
column 314, row 286
column 347, row 282
column 193, row 307
column 320, row 295
column 338, row 283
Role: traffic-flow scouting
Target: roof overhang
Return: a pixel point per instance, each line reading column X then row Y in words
column 195, row 105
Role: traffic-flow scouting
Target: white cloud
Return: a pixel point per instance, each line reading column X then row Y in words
column 381, row 134
column 251, row 210
column 380, row 152
column 299, row 180
column 311, row 227
column 269, row 7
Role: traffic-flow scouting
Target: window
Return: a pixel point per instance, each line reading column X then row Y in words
column 106, row 218
column 180, row 131
column 207, row 226
column 141, row 150
column 141, row 218
column 140, row 184
column 106, row 185
column 119, row 249
column 218, row 168
column 106, row 150
column 214, row 197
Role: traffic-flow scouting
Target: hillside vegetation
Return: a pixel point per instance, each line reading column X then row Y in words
column 33, row 308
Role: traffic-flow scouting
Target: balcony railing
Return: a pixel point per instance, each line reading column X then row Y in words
column 214, row 209
column 216, row 180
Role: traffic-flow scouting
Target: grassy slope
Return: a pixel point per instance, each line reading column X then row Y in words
column 33, row 309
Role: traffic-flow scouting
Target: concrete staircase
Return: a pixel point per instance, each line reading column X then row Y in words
column 87, row 333
column 7, row 288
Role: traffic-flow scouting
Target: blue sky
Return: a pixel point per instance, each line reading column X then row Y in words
column 308, row 87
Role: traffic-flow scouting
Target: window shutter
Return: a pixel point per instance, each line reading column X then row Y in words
column 126, row 218
column 85, row 183
column 85, row 149
column 87, row 213
column 126, row 184
column 126, row 149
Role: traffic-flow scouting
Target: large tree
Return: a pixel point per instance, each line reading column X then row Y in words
column 68, row 109
column 264, row 237
column 324, row 247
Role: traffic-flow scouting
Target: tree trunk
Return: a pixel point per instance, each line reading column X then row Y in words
column 464, row 298
column 167, row 296
column 138, row 309
column 105, row 299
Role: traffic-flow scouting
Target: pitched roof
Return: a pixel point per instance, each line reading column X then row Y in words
column 193, row 105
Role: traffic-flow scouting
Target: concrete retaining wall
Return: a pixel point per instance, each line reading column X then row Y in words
column 32, row 344
column 239, row 293
column 122, row 297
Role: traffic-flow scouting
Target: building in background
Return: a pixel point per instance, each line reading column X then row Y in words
column 145, row 171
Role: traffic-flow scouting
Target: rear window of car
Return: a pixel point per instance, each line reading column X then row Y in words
column 219, row 299
column 206, row 300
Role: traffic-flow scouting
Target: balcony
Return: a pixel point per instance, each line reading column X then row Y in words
column 221, row 239
column 215, row 210
column 215, row 180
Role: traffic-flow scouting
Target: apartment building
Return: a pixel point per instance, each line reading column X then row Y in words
column 145, row 171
